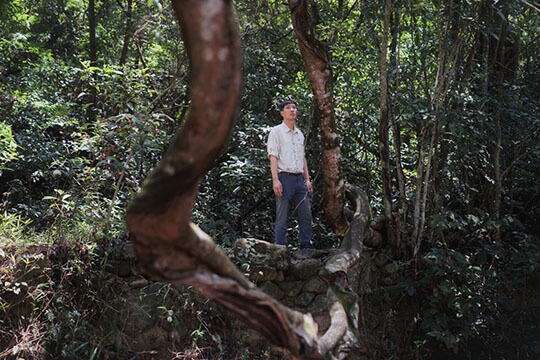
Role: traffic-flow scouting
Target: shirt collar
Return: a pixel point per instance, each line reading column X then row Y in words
column 287, row 128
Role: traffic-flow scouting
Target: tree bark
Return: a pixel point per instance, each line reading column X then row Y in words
column 127, row 35
column 418, row 183
column 315, row 56
column 497, row 198
column 445, row 71
column 384, row 151
column 92, row 31
column 170, row 248
column 91, row 112
column 396, row 132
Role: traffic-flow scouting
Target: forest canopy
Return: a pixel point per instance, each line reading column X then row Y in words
column 435, row 104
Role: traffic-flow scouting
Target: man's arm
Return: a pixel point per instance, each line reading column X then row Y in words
column 276, row 184
column 306, row 177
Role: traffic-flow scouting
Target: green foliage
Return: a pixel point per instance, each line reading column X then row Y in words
column 464, row 295
column 8, row 147
column 51, row 311
column 59, row 302
column 13, row 227
column 67, row 179
column 52, row 148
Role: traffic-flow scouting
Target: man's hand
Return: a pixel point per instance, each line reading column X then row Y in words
column 278, row 189
column 309, row 187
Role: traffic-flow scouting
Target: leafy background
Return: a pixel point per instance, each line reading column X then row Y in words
column 70, row 162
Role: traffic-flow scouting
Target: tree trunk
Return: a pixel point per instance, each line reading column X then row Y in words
column 170, row 248
column 463, row 67
column 500, row 62
column 315, row 56
column 127, row 35
column 418, row 183
column 91, row 112
column 445, row 70
column 396, row 133
column 384, row 151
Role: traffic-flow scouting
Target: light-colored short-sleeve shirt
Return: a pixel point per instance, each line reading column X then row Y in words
column 288, row 147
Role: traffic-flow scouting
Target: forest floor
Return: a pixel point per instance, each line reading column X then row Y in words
column 80, row 302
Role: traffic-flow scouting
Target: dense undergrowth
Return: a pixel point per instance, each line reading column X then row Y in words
column 78, row 301
column 71, row 161
column 72, row 300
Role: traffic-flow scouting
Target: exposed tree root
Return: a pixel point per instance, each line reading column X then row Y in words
column 170, row 248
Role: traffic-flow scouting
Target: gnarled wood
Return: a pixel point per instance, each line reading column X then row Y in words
column 171, row 248
column 168, row 246
column 159, row 215
column 315, row 56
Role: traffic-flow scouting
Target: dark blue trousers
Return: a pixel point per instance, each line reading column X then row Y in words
column 295, row 198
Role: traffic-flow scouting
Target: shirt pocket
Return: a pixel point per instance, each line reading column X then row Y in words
column 298, row 146
column 288, row 152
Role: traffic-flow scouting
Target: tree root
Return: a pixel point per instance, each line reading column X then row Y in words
column 170, row 248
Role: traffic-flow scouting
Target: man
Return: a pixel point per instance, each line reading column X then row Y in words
column 290, row 176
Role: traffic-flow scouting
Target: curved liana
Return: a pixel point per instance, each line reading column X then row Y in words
column 171, row 248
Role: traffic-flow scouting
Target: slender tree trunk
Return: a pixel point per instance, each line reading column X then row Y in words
column 497, row 198
column 396, row 131
column 92, row 31
column 423, row 205
column 315, row 56
column 441, row 81
column 384, row 151
column 127, row 35
column 463, row 66
column 438, row 177
column 418, row 183
column 91, row 112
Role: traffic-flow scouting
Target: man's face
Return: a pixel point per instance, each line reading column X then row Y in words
column 289, row 112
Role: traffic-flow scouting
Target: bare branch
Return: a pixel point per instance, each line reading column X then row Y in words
column 532, row 5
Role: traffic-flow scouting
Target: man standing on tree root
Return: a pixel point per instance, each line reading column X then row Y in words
column 290, row 176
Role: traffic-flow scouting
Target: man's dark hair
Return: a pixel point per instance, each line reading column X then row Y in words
column 285, row 103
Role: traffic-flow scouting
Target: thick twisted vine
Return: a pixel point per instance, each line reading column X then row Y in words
column 171, row 248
